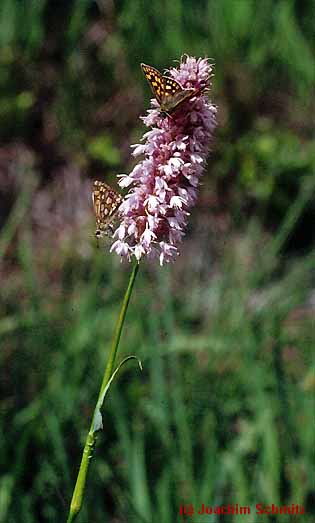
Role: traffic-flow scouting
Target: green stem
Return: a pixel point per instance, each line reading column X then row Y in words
column 88, row 451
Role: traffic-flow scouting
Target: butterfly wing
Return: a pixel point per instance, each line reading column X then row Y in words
column 170, row 103
column 106, row 202
column 156, row 81
column 171, row 87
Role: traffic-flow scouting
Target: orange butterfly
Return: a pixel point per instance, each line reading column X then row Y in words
column 106, row 202
column 168, row 93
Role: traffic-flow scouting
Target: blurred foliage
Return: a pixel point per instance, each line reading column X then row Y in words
column 224, row 409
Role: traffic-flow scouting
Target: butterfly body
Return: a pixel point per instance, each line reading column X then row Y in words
column 167, row 91
column 106, row 202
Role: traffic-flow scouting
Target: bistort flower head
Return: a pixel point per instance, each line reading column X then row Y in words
column 163, row 186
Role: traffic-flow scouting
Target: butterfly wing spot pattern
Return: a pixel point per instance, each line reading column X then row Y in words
column 156, row 81
column 106, row 202
column 168, row 93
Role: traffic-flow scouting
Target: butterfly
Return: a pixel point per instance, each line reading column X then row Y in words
column 168, row 93
column 106, row 202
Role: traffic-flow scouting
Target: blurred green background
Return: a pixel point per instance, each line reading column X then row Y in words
column 224, row 409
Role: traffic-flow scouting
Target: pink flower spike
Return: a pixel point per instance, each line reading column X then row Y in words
column 163, row 186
